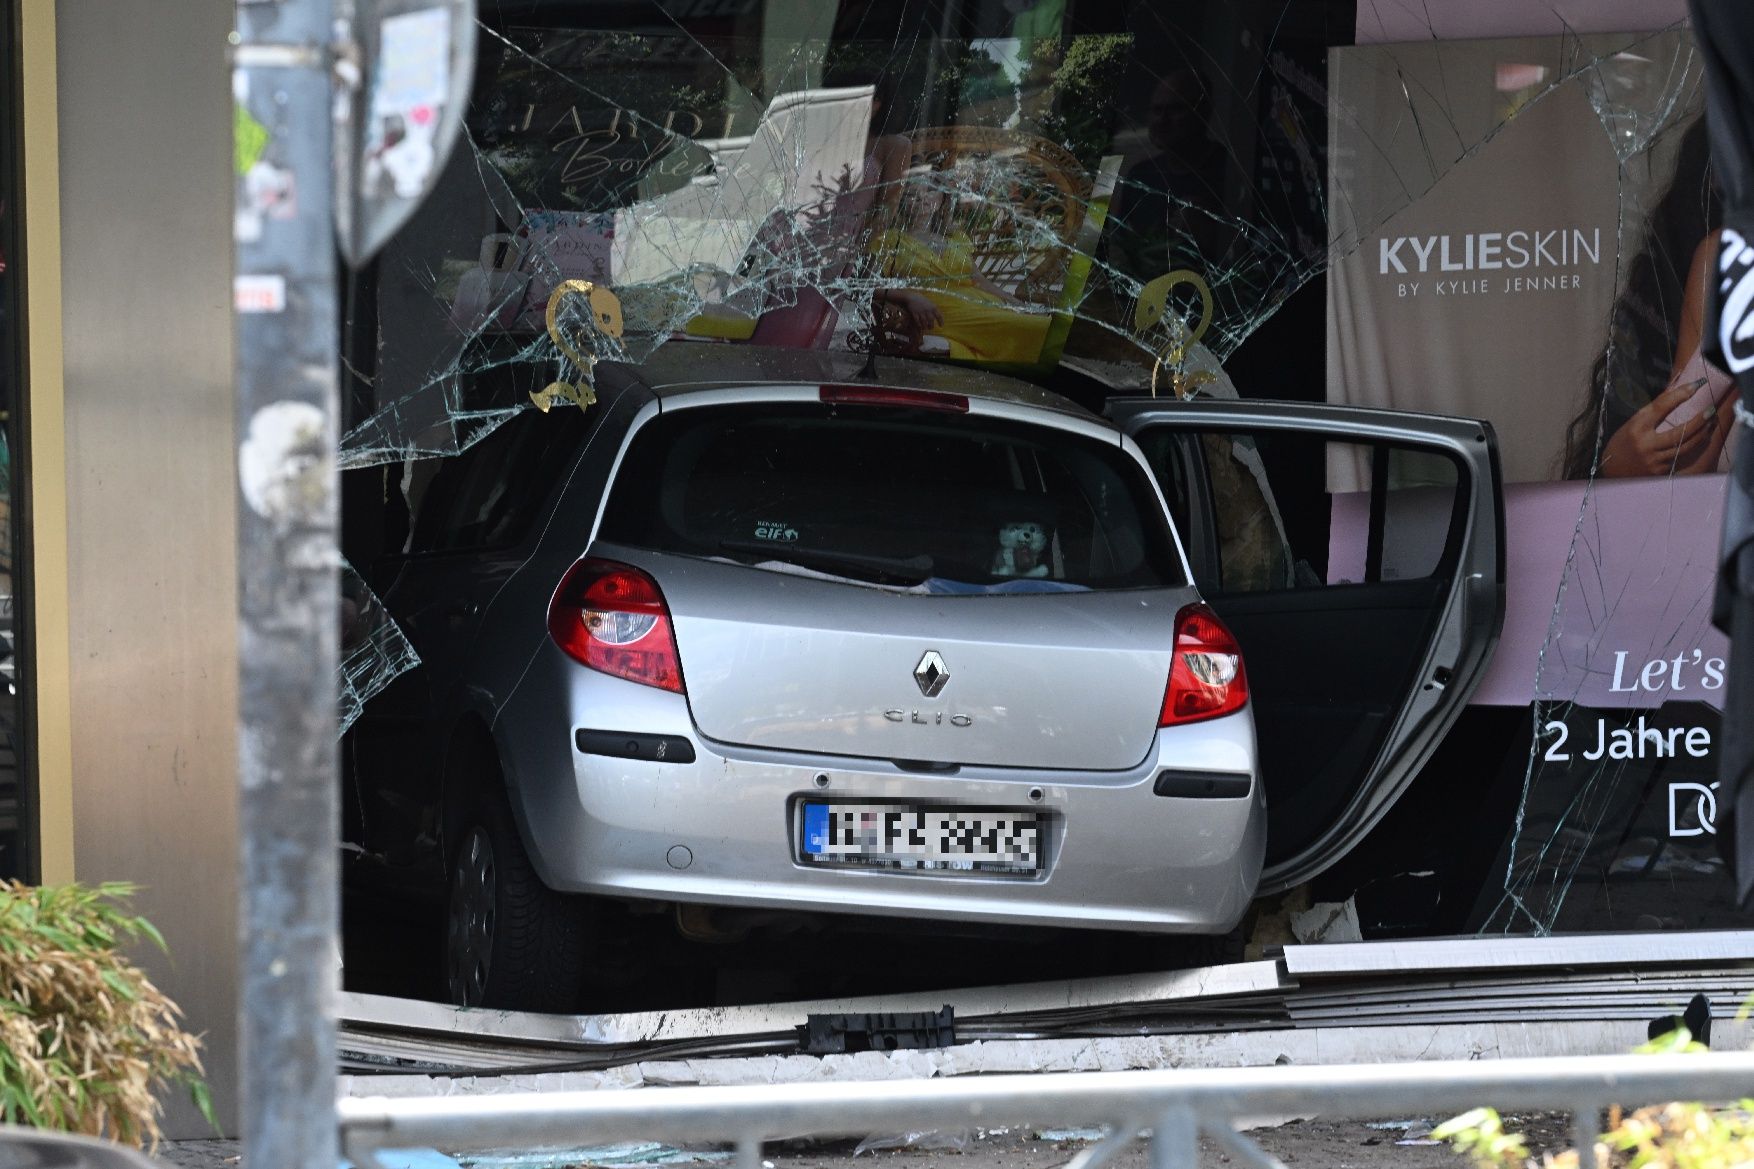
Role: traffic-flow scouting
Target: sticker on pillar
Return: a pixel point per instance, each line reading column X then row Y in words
column 412, row 81
column 249, row 144
column 251, row 293
column 270, row 192
column 284, row 463
column 249, row 139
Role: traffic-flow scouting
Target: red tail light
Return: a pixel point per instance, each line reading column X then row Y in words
column 1206, row 679
column 893, row 396
column 612, row 618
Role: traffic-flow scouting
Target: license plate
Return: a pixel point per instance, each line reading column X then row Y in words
column 941, row 839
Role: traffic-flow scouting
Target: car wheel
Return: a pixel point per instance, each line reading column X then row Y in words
column 510, row 941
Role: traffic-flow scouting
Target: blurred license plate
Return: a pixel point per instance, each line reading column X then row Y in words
column 900, row 836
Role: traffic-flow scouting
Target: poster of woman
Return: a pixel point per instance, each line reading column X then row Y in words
column 1523, row 240
column 1529, row 239
column 1524, row 231
column 1654, row 405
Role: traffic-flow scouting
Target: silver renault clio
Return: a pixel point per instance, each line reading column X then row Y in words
column 922, row 643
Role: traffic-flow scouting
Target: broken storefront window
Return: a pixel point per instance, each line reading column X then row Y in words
column 1118, row 198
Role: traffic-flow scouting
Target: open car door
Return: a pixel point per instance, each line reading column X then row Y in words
column 1358, row 556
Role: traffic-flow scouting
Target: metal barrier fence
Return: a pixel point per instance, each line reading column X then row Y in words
column 1176, row 1106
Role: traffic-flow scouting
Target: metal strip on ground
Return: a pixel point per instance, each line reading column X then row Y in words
column 1602, row 981
column 1236, row 980
column 1341, row 959
column 1339, row 1045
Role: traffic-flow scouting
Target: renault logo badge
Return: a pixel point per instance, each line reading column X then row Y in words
column 931, row 674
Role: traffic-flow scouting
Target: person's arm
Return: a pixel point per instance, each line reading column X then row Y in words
column 1638, row 447
column 1642, row 445
column 1698, row 287
column 1693, row 313
column 1687, row 347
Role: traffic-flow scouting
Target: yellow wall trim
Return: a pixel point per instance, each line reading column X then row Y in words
column 47, row 441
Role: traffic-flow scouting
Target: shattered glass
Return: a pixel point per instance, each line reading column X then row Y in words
column 994, row 197
column 976, row 199
column 374, row 650
column 1100, row 199
column 1615, row 821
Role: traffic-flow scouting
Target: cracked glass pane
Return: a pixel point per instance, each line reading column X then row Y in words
column 1553, row 271
column 1039, row 193
column 374, row 649
column 1191, row 200
column 1099, row 201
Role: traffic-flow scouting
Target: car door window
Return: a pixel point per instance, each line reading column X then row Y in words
column 1286, row 510
column 1357, row 556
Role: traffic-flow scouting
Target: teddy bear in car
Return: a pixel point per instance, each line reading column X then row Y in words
column 1021, row 545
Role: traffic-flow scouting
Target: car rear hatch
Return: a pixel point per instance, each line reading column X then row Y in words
column 904, row 581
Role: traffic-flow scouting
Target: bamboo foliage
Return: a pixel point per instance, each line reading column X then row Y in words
column 87, row 1042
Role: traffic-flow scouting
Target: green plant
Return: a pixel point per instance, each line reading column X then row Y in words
column 86, row 1039
column 1086, row 82
column 1664, row 1136
column 1683, row 1136
column 1480, row 1136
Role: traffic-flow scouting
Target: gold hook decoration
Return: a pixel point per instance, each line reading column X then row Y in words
column 605, row 318
column 1151, row 309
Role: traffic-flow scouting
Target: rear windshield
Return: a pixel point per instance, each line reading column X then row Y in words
column 894, row 496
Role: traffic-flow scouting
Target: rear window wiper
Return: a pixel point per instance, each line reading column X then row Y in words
column 909, row 570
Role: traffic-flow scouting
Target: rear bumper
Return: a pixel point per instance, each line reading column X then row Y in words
column 722, row 829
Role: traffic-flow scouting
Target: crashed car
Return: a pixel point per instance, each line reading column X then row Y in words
column 778, row 632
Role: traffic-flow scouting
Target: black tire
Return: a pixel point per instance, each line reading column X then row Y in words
column 510, row 941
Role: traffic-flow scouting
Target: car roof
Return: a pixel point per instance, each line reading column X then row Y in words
column 678, row 369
